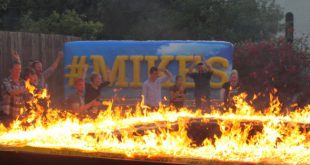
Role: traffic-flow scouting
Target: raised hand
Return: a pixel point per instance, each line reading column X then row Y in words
column 15, row 55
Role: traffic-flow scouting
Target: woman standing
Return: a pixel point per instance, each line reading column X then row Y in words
column 230, row 89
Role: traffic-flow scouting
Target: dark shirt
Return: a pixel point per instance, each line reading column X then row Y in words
column 178, row 101
column 202, row 83
column 230, row 91
column 91, row 93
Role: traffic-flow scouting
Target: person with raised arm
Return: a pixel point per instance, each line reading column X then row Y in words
column 151, row 89
column 202, row 85
column 44, row 75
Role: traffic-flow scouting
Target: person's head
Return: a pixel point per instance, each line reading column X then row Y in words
column 37, row 66
column 96, row 79
column 178, row 80
column 30, row 74
column 234, row 77
column 153, row 73
column 200, row 67
column 79, row 85
column 15, row 70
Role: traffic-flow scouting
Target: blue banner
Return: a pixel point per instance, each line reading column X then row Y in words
column 130, row 61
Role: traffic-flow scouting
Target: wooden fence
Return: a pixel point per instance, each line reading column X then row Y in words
column 43, row 47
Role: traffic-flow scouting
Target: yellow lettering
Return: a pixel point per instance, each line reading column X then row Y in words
column 118, row 72
column 165, row 60
column 150, row 62
column 196, row 59
column 183, row 60
column 220, row 73
column 99, row 65
column 136, row 71
column 75, row 69
column 119, row 67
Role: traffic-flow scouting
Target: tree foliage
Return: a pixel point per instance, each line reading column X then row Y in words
column 232, row 20
column 4, row 4
column 68, row 23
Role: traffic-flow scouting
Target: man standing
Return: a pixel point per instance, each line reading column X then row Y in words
column 202, row 85
column 13, row 90
column 152, row 87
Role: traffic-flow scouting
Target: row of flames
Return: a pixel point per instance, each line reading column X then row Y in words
column 283, row 138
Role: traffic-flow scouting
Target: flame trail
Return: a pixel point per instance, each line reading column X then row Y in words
column 138, row 134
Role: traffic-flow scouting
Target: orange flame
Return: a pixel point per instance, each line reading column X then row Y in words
column 280, row 140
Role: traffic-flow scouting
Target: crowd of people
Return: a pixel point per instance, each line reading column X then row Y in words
column 152, row 88
column 87, row 99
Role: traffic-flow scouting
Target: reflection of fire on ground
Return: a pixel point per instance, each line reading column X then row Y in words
column 168, row 135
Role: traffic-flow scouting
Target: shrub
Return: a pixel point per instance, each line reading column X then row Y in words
column 266, row 65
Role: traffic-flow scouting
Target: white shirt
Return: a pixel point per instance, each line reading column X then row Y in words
column 152, row 91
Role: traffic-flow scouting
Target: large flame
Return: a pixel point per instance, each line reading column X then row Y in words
column 138, row 133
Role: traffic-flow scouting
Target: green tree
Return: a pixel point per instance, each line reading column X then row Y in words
column 4, row 4
column 232, row 20
column 3, row 7
column 68, row 23
column 11, row 16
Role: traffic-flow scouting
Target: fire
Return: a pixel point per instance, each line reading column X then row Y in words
column 245, row 135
